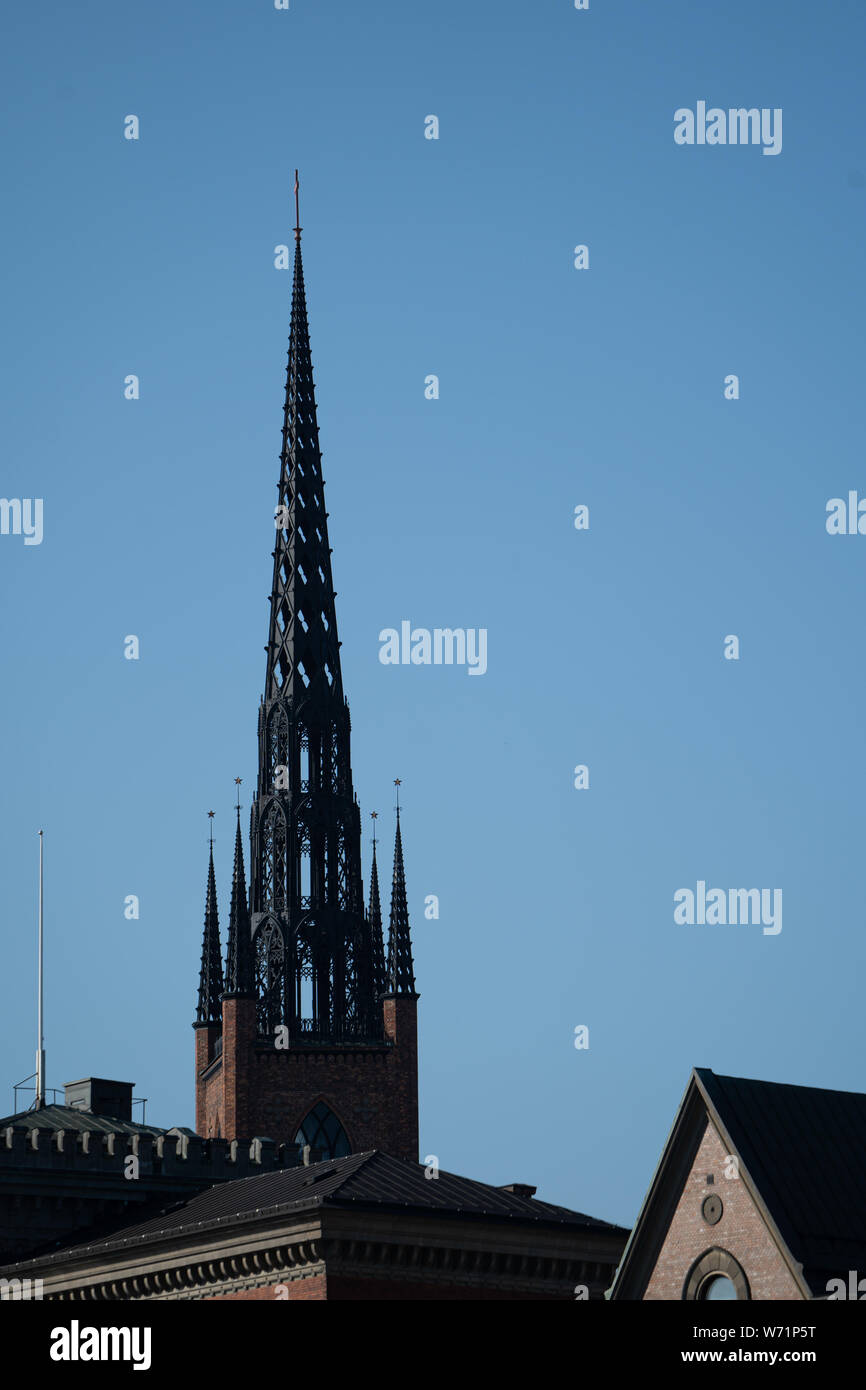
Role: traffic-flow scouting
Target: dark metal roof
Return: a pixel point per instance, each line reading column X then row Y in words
column 804, row 1148
column 365, row 1181
column 69, row 1117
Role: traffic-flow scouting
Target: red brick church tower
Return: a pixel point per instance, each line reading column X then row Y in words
column 309, row 1036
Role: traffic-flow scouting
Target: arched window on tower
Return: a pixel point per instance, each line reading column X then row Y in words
column 322, row 1130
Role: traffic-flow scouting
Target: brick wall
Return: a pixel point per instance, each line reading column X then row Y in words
column 330, row 1287
column 741, row 1232
column 268, row 1091
column 401, row 1027
column 237, row 1080
column 311, row 1289
column 206, row 1108
column 387, row 1290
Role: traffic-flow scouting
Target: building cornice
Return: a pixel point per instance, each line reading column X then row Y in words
column 263, row 1251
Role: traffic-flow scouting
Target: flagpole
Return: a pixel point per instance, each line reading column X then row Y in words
column 40, row 1050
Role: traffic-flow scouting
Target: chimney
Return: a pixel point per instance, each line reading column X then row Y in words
column 100, row 1097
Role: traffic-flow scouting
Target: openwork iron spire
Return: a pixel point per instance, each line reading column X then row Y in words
column 210, row 986
column 303, row 649
column 374, row 917
column 311, row 941
column 239, row 970
column 401, row 972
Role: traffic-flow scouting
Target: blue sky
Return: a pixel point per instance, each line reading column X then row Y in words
column 557, row 387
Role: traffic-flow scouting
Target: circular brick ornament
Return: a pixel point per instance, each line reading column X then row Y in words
column 711, row 1209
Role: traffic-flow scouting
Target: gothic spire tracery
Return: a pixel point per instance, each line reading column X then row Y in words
column 303, row 648
column 312, row 947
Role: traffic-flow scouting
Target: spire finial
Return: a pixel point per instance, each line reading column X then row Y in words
column 374, row 816
column 297, row 210
column 210, row 818
column 398, row 784
column 238, row 781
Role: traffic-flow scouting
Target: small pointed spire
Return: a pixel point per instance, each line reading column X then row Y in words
column 239, row 979
column 400, row 972
column 210, row 986
column 374, row 917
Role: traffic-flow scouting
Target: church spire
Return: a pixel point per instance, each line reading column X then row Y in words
column 317, row 1023
column 311, row 946
column 239, row 975
column 401, row 972
column 374, row 917
column 210, row 986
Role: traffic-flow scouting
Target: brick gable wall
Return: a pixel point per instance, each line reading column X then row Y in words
column 741, row 1232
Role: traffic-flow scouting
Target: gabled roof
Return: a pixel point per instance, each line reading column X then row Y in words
column 366, row 1181
column 801, row 1150
column 804, row 1148
column 72, row 1118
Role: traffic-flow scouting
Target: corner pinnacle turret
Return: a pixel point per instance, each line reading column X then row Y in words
column 239, row 972
column 401, row 971
column 210, row 985
column 374, row 917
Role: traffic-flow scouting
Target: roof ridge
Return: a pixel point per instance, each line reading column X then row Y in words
column 291, row 1168
column 779, row 1085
